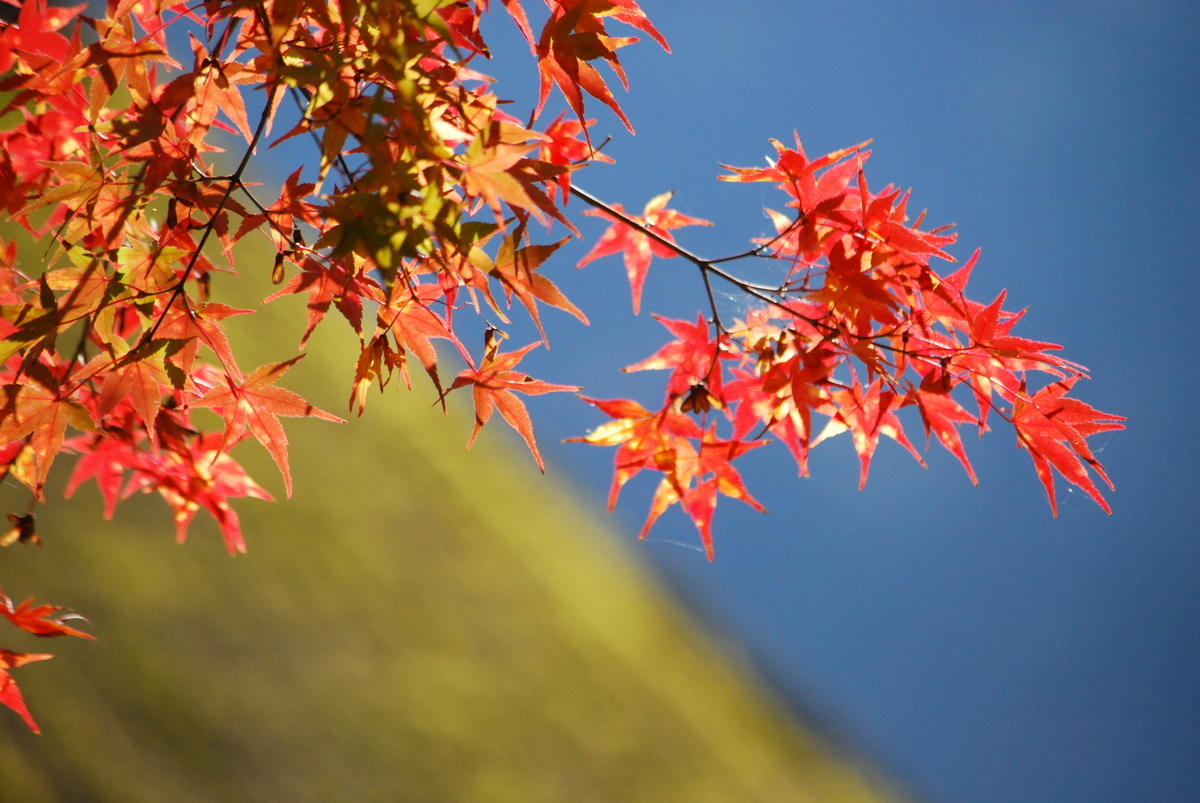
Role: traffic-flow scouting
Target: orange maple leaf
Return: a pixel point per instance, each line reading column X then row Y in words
column 515, row 267
column 492, row 386
column 257, row 403
column 34, row 411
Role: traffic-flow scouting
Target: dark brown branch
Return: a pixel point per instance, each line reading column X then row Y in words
column 234, row 181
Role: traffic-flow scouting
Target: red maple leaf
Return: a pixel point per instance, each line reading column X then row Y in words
column 572, row 38
column 563, row 147
column 215, row 83
column 784, row 395
column 10, row 695
column 1053, row 428
column 797, row 175
column 662, row 441
column 33, row 35
column 330, row 284
column 105, row 459
column 941, row 415
column 683, row 466
column 496, row 169
column 694, row 360
column 37, row 619
column 855, row 292
column 867, row 414
column 140, row 380
column 638, row 246
column 197, row 475
column 199, row 324
column 763, row 400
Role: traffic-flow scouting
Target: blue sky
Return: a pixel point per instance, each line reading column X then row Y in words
column 974, row 645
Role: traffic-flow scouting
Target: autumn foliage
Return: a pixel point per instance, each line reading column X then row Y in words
column 421, row 206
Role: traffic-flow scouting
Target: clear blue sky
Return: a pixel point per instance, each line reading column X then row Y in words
column 977, row 647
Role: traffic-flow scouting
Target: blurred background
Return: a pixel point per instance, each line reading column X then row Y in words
column 417, row 624
column 968, row 644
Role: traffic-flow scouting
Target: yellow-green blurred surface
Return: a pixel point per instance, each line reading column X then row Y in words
column 418, row 623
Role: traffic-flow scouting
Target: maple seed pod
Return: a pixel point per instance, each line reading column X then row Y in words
column 22, row 531
column 277, row 271
column 492, row 338
column 698, row 400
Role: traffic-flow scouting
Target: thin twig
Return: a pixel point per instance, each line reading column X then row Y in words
column 706, row 266
column 234, row 180
column 342, row 165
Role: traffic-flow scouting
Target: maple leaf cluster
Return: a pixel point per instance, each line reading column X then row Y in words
column 859, row 327
column 112, row 160
column 124, row 144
